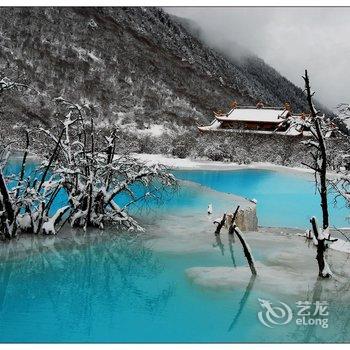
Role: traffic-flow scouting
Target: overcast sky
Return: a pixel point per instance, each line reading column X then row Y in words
column 289, row 39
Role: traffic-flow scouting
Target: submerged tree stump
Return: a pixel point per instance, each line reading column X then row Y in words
column 231, row 229
column 220, row 225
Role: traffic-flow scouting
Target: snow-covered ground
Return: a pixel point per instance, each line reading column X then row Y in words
column 204, row 164
column 286, row 258
column 197, row 164
column 341, row 246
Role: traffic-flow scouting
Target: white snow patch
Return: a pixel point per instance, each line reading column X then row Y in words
column 94, row 57
column 48, row 227
column 341, row 246
column 154, row 130
column 203, row 164
column 200, row 164
column 214, row 125
column 272, row 278
column 257, row 114
column 326, row 271
column 83, row 54
column 24, row 221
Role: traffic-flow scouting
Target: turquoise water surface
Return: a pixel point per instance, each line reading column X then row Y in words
column 127, row 287
column 284, row 200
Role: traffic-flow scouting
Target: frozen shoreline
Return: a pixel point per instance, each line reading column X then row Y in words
column 198, row 164
column 203, row 164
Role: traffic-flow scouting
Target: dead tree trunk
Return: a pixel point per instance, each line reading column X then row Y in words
column 231, row 229
column 50, row 162
column 246, row 250
column 234, row 229
column 321, row 169
column 220, row 225
column 323, row 269
column 23, row 166
column 8, row 215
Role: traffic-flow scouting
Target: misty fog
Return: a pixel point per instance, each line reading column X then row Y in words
column 289, row 39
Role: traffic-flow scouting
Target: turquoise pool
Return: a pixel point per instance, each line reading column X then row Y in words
column 123, row 287
column 284, row 200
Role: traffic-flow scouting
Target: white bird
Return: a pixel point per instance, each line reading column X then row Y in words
column 254, row 200
column 210, row 208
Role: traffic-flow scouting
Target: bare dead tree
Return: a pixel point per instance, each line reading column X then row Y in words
column 7, row 210
column 320, row 128
column 320, row 240
column 246, row 250
column 26, row 204
column 231, row 229
column 94, row 175
column 317, row 128
column 220, row 225
column 234, row 229
column 90, row 171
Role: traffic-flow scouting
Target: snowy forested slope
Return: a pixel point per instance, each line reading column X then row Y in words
column 132, row 64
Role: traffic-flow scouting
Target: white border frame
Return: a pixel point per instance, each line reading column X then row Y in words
column 180, row 3
column 177, row 3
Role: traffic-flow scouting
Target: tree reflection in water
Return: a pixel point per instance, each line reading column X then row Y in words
column 242, row 302
column 91, row 276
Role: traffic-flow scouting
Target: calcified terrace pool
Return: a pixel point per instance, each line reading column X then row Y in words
column 284, row 200
column 175, row 282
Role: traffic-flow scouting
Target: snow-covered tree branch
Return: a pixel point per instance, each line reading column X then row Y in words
column 320, row 128
column 100, row 184
column 95, row 177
